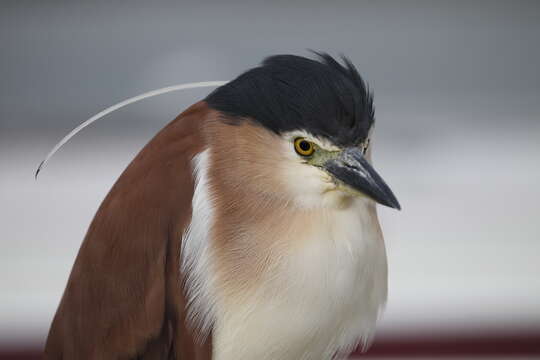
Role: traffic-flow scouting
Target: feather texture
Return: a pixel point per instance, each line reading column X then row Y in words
column 125, row 298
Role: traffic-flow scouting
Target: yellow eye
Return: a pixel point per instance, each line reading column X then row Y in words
column 303, row 147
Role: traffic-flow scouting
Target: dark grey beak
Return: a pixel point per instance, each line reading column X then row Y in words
column 352, row 169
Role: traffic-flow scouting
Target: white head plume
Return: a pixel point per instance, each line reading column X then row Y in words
column 121, row 104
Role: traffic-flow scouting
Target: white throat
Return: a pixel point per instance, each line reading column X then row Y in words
column 322, row 298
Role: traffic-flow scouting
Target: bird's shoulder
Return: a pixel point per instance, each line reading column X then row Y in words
column 124, row 297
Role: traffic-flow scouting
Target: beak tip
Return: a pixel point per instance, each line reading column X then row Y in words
column 394, row 204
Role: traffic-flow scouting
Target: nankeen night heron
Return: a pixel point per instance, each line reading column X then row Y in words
column 245, row 229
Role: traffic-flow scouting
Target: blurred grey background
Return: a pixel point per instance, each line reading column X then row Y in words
column 457, row 92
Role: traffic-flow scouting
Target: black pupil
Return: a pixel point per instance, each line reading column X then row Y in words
column 304, row 145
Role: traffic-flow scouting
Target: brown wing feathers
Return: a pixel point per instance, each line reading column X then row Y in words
column 124, row 298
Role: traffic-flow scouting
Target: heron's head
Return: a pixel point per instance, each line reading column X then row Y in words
column 298, row 130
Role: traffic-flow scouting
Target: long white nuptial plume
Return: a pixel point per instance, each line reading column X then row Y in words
column 121, row 104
